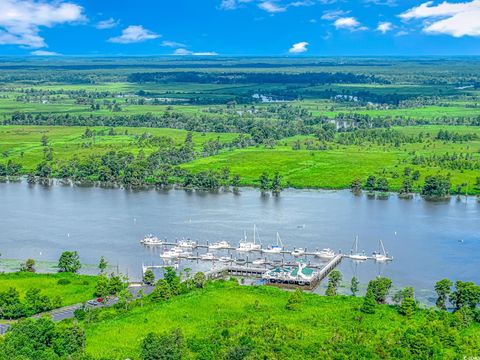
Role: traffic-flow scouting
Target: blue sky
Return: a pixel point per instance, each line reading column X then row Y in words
column 240, row 27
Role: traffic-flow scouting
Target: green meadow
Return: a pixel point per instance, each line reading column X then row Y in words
column 225, row 315
column 79, row 289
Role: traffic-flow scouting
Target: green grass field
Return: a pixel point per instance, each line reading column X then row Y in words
column 334, row 168
column 80, row 289
column 227, row 315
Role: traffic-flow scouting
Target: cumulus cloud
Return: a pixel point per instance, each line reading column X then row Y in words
column 21, row 20
column 107, row 24
column 455, row 19
column 349, row 23
column 384, row 27
column 186, row 52
column 299, row 48
column 134, row 34
column 44, row 53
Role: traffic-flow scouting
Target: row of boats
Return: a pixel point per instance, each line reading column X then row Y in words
column 184, row 248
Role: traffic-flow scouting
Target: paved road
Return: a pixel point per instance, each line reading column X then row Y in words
column 67, row 312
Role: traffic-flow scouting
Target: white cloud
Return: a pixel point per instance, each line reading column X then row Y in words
column 384, row 27
column 134, row 34
column 349, row 23
column 44, row 53
column 21, row 20
column 232, row 4
column 299, row 48
column 271, row 7
column 334, row 14
column 390, row 3
column 107, row 24
column 185, row 52
column 455, row 19
column 173, row 44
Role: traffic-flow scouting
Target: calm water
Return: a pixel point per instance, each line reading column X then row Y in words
column 429, row 241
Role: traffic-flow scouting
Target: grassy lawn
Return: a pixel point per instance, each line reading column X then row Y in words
column 80, row 289
column 257, row 315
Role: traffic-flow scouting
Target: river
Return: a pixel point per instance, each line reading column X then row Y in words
column 428, row 240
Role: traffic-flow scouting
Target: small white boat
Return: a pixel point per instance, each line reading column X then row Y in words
column 208, row 257
column 275, row 249
column 325, row 254
column 247, row 246
column 354, row 254
column 173, row 253
column 298, row 252
column 381, row 255
column 151, row 240
column 187, row 244
column 260, row 261
column 225, row 259
column 240, row 261
column 221, row 245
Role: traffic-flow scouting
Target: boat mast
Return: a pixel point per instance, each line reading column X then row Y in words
column 383, row 248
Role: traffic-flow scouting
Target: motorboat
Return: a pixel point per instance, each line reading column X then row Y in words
column 354, row 254
column 240, row 261
column 298, row 252
column 381, row 255
column 173, row 253
column 325, row 254
column 247, row 246
column 151, row 240
column 208, row 257
column 225, row 259
column 260, row 261
column 187, row 244
column 221, row 245
column 275, row 249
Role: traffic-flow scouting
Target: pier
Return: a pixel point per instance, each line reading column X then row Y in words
column 283, row 277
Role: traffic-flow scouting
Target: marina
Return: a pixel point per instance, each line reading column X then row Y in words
column 297, row 267
column 316, row 221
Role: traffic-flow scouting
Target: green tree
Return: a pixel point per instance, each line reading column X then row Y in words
column 443, row 289
column 294, row 300
column 149, row 277
column 354, row 286
column 370, row 183
column 356, row 186
column 69, row 262
column 465, row 294
column 199, row 279
column 263, row 179
column 162, row 290
column 380, row 288
column 334, row 280
column 369, row 303
column 172, row 280
column 408, row 307
column 163, row 347
column 436, row 186
column 28, row 266
column 276, row 184
column 102, row 265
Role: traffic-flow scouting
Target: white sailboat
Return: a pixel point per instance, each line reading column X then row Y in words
column 247, row 246
column 355, row 255
column 381, row 255
column 275, row 249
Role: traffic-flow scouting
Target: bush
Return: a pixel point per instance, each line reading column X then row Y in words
column 63, row 282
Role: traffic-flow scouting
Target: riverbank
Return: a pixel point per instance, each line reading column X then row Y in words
column 161, row 157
